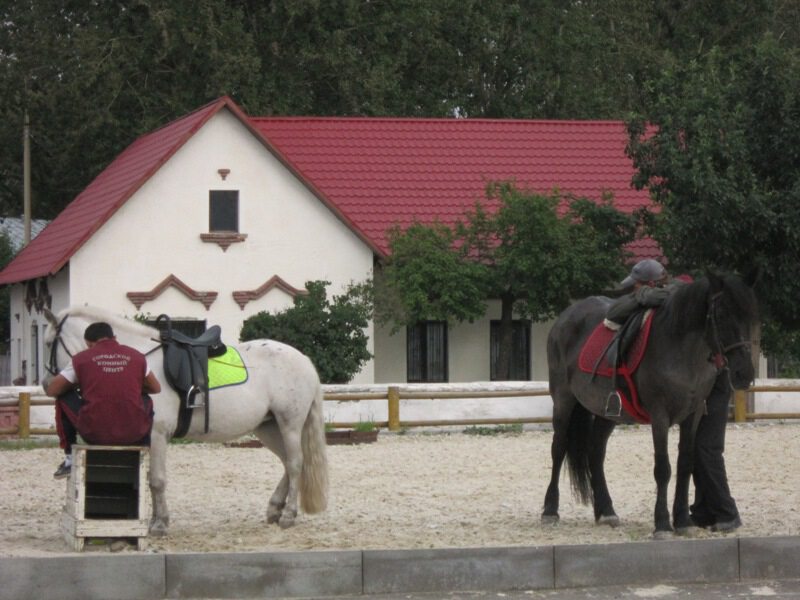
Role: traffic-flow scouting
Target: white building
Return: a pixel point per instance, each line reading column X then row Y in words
column 217, row 216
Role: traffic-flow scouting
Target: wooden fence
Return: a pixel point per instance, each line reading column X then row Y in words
column 395, row 395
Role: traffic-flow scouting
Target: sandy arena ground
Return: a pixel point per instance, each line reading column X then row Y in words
column 418, row 490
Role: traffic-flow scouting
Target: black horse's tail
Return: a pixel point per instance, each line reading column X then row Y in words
column 579, row 433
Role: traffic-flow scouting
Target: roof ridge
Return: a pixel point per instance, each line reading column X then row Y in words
column 614, row 122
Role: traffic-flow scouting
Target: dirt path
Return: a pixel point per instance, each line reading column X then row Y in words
column 411, row 491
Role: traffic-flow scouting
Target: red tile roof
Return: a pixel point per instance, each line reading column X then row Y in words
column 383, row 171
column 371, row 172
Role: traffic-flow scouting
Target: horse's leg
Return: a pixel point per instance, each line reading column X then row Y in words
column 270, row 436
column 291, row 454
column 603, row 507
column 680, row 508
column 562, row 411
column 662, row 472
column 158, row 483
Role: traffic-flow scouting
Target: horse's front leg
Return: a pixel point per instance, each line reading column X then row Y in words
column 159, row 523
column 662, row 472
column 680, row 508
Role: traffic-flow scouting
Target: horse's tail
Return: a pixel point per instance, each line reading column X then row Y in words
column 579, row 432
column 314, row 477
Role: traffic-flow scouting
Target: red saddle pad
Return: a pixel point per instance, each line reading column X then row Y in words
column 598, row 341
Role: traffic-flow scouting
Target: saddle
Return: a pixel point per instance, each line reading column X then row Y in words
column 616, row 355
column 186, row 367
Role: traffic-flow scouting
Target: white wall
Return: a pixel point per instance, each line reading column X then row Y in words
column 22, row 322
column 290, row 233
column 468, row 351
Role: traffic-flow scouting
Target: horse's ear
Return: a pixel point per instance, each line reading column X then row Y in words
column 51, row 318
column 753, row 276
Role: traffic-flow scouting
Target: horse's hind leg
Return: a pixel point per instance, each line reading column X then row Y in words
column 159, row 523
column 603, row 506
column 562, row 411
column 282, row 508
column 270, row 436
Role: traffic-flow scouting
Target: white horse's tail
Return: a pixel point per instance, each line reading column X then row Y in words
column 314, row 478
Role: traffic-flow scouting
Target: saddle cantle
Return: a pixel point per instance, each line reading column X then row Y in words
column 186, row 367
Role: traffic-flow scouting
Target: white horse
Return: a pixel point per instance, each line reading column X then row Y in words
column 281, row 403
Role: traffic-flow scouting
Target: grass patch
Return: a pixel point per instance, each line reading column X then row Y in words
column 27, row 444
column 510, row 429
column 364, row 426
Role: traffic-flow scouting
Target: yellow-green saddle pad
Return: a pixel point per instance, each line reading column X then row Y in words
column 228, row 369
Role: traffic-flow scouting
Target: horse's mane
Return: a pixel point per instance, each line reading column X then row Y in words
column 686, row 308
column 118, row 323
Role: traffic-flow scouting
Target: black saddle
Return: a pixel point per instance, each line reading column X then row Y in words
column 186, row 367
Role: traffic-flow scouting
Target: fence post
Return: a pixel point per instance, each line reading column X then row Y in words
column 739, row 406
column 394, row 408
column 24, row 425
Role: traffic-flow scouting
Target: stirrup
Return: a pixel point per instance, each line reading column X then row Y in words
column 613, row 405
column 191, row 398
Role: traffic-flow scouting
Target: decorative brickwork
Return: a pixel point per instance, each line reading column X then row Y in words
column 139, row 298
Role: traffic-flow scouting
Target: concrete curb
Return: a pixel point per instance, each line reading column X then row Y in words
column 352, row 572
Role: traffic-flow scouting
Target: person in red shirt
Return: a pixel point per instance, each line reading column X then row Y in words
column 103, row 394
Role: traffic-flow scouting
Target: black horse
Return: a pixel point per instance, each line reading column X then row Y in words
column 702, row 327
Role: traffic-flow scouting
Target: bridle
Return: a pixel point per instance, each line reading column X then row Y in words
column 52, row 362
column 718, row 350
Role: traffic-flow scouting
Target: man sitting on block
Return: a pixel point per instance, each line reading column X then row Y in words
column 103, row 395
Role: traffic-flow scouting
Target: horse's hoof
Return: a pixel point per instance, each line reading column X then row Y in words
column 686, row 530
column 550, row 519
column 273, row 519
column 158, row 530
column 610, row 520
column 662, row 535
column 285, row 523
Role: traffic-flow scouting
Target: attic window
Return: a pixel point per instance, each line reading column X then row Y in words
column 223, row 210
column 223, row 219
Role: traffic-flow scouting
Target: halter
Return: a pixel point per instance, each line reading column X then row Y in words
column 719, row 352
column 52, row 363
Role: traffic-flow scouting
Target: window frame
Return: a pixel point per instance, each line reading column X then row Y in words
column 219, row 209
column 519, row 327
column 419, row 363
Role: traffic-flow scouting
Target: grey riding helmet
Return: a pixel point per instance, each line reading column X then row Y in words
column 644, row 271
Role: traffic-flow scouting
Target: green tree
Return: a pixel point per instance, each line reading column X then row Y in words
column 533, row 252
column 722, row 160
column 93, row 76
column 6, row 254
column 331, row 333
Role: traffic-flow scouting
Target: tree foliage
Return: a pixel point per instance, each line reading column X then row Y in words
column 533, row 252
column 93, row 76
column 722, row 159
column 331, row 333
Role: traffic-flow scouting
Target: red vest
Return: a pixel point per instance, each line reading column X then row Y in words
column 111, row 377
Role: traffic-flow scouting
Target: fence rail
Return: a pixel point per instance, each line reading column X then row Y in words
column 394, row 395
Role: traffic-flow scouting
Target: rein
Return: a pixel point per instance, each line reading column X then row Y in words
column 719, row 352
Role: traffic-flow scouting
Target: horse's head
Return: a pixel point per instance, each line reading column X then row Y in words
column 63, row 338
column 732, row 314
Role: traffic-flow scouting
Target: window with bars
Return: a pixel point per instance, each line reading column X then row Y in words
column 426, row 352
column 520, row 350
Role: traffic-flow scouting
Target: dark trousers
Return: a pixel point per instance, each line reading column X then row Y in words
column 713, row 502
column 67, row 408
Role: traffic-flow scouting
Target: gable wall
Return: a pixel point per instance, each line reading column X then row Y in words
column 290, row 233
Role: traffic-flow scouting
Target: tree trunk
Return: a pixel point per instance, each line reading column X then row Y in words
column 506, row 338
